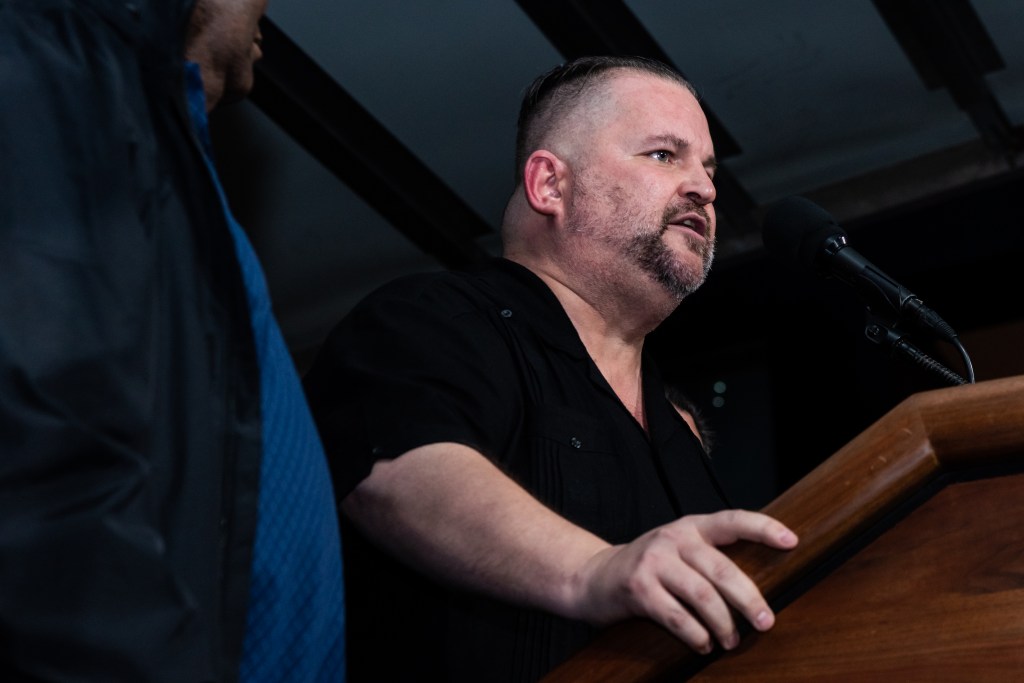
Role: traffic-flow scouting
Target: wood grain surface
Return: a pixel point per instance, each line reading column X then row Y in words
column 883, row 470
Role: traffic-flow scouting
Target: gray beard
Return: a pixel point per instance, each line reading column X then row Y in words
column 652, row 254
column 648, row 250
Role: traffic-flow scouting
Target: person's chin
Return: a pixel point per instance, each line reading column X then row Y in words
column 238, row 90
column 689, row 273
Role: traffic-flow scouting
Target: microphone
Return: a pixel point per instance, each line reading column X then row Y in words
column 800, row 230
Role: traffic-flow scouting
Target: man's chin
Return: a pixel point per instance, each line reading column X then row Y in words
column 236, row 93
column 683, row 279
column 238, row 84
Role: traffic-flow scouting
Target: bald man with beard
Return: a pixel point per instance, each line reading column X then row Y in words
column 511, row 472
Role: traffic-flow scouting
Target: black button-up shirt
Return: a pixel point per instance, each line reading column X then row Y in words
column 490, row 359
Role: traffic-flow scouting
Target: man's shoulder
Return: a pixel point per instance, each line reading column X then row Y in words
column 443, row 319
column 451, row 292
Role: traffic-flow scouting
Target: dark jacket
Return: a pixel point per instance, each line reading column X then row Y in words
column 129, row 398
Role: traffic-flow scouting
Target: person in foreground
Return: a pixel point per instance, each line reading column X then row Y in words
column 511, row 469
column 148, row 405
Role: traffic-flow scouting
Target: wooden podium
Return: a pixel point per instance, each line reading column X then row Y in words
column 910, row 564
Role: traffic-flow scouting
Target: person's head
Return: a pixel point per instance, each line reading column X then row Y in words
column 553, row 97
column 224, row 39
column 615, row 164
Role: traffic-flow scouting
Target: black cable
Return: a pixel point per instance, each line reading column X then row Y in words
column 966, row 359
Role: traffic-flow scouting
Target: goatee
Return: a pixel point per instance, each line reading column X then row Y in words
column 653, row 255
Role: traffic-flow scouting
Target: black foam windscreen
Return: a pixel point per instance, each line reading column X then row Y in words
column 796, row 228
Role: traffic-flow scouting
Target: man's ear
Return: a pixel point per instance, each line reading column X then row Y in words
column 544, row 179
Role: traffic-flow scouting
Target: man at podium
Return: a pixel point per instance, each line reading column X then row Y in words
column 511, row 472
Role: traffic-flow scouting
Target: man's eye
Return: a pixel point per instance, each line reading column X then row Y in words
column 661, row 155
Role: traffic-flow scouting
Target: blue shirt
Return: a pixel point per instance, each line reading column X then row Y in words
column 295, row 623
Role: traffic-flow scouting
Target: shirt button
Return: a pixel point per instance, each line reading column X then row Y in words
column 506, row 313
column 576, row 443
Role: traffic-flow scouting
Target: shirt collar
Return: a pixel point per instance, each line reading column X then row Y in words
column 525, row 296
column 196, row 96
column 523, row 293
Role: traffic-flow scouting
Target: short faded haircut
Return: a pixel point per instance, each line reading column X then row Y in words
column 555, row 93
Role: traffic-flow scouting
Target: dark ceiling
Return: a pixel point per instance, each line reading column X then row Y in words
column 384, row 137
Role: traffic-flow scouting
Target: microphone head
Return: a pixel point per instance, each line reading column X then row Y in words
column 797, row 229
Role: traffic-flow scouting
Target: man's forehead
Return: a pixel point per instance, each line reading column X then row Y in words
column 644, row 87
column 639, row 100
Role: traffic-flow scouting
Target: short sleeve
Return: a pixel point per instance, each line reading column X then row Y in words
column 422, row 361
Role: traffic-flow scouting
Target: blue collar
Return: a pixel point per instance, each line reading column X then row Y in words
column 196, row 96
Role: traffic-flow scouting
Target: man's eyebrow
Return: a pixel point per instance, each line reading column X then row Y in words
column 666, row 139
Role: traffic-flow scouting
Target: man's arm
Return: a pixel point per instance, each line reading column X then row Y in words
column 448, row 511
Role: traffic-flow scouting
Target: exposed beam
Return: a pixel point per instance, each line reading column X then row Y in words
column 578, row 28
column 323, row 118
column 950, row 48
column 922, row 180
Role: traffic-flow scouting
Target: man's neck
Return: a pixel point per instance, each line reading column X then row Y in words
column 613, row 340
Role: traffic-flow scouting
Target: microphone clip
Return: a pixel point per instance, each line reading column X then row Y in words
column 892, row 339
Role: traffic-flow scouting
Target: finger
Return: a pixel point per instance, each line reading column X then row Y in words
column 697, row 592
column 666, row 609
column 733, row 586
column 729, row 526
